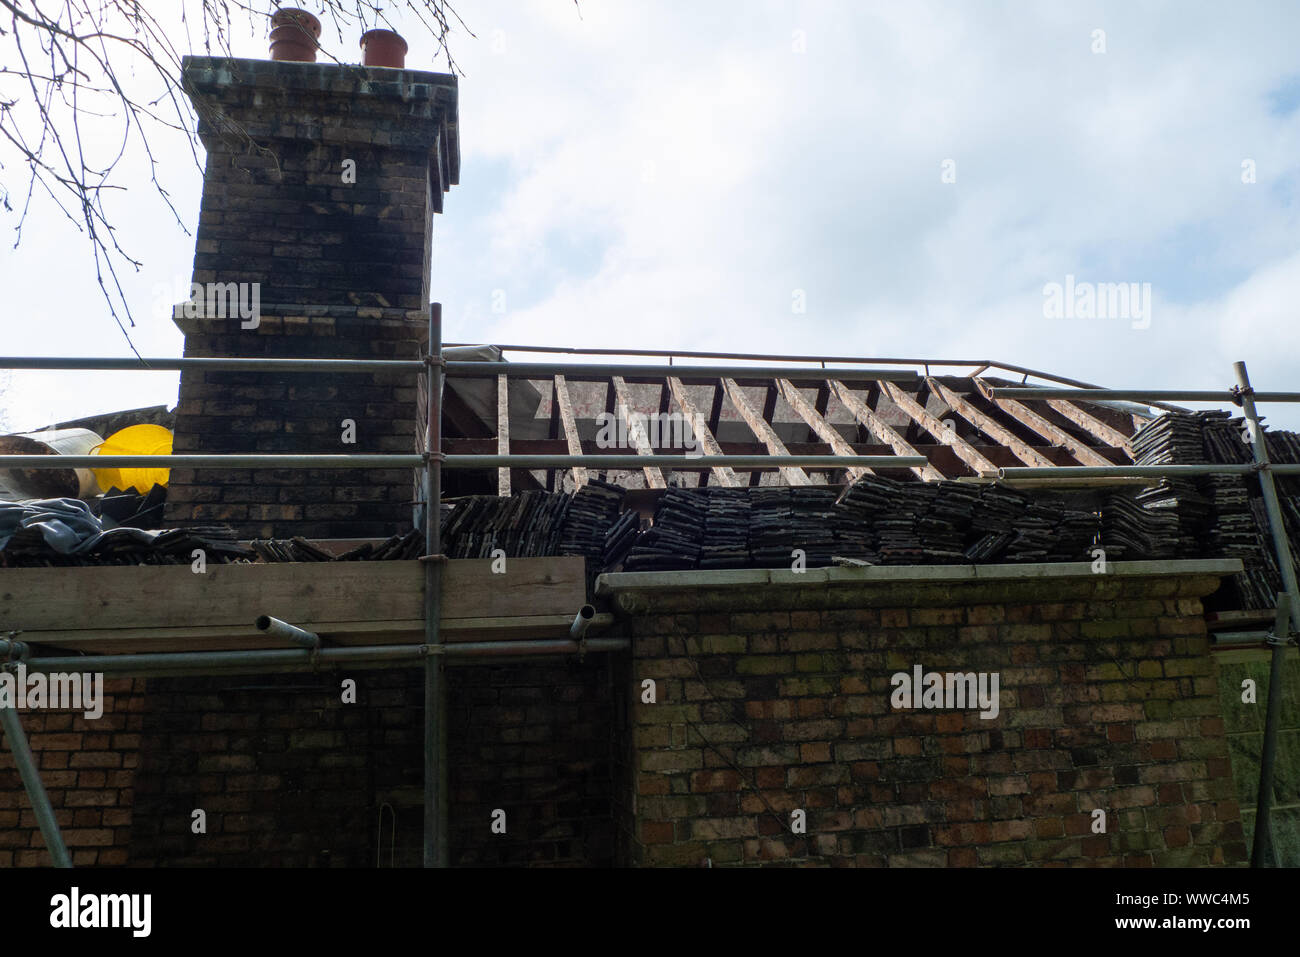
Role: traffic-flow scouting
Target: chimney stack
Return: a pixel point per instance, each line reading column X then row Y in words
column 314, row 239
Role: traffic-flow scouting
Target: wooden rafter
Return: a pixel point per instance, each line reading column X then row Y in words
column 817, row 422
column 570, row 426
column 724, row 475
column 914, row 427
column 654, row 476
column 875, row 424
column 1092, row 425
column 503, row 432
column 1021, row 450
column 1051, row 432
column 917, row 413
column 764, row 432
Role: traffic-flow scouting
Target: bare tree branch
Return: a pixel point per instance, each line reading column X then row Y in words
column 89, row 67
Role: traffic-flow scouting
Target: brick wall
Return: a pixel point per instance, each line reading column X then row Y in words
column 768, row 699
column 88, row 769
column 290, row 776
column 778, row 698
column 535, row 740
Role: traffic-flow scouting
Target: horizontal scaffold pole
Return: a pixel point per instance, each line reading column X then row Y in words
column 1139, row 471
column 212, row 364
column 628, row 461
column 577, row 371
column 457, row 368
column 294, row 659
column 1136, row 395
column 682, row 461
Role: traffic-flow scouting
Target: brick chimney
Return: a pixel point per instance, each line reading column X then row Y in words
column 318, row 200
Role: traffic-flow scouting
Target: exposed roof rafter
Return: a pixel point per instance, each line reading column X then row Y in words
column 880, row 428
column 764, row 432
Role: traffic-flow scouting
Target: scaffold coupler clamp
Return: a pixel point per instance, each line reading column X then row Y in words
column 1239, row 394
column 16, row 652
column 1272, row 640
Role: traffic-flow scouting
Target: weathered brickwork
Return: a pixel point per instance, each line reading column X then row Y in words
column 88, row 769
column 766, row 702
column 288, row 775
column 228, row 412
column 320, row 187
column 779, row 699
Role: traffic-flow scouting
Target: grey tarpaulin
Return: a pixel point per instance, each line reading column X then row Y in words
column 67, row 525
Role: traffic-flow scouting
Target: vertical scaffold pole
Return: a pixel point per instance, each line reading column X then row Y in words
column 1262, row 849
column 31, row 777
column 436, row 851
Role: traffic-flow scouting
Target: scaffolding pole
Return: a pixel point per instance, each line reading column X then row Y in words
column 1068, row 472
column 1136, row 395
column 1262, row 854
column 577, row 372
column 287, row 660
column 1262, row 851
column 31, row 777
column 205, row 364
column 629, row 460
column 436, row 830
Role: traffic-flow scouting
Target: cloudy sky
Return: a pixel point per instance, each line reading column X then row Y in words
column 827, row 178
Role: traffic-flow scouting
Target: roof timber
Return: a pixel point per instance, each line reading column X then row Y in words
column 570, row 426
column 989, row 425
column 1050, row 431
column 1091, row 424
column 503, row 432
column 654, row 476
column 880, row 428
column 724, row 475
column 1002, row 432
column 965, row 451
column 764, row 431
column 824, row 430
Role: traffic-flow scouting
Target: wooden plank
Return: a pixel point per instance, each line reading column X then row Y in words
column 724, row 474
column 1051, row 432
column 819, row 425
column 881, row 429
column 1022, row 450
column 302, row 593
column 570, row 428
column 764, row 432
column 503, row 432
column 654, row 476
column 1092, row 425
column 965, row 451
